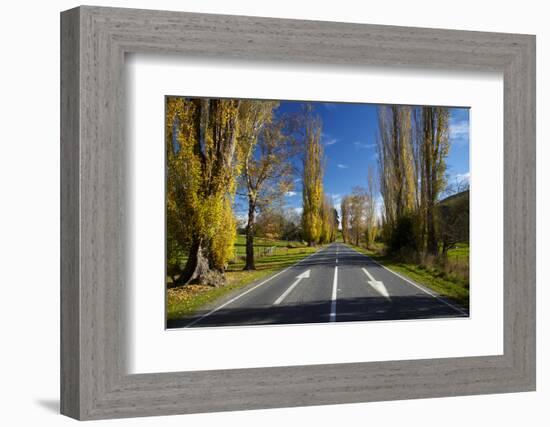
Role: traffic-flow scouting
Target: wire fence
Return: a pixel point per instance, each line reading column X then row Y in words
column 265, row 251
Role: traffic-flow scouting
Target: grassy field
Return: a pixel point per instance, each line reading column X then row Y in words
column 461, row 252
column 264, row 247
column 445, row 283
column 184, row 301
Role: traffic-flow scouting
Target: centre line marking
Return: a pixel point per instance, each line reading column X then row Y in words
column 334, row 295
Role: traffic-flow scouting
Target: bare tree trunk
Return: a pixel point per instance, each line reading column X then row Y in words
column 197, row 269
column 431, row 243
column 250, row 265
column 445, row 251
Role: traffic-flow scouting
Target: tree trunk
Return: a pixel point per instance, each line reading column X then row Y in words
column 431, row 243
column 197, row 269
column 444, row 253
column 250, row 265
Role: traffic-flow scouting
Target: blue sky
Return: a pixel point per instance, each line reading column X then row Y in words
column 349, row 140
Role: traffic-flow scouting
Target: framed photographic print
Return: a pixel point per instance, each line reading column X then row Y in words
column 283, row 213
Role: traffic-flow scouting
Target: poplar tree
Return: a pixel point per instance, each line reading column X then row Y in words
column 201, row 141
column 344, row 211
column 357, row 214
column 370, row 208
column 312, row 182
column 433, row 151
column 397, row 174
column 329, row 221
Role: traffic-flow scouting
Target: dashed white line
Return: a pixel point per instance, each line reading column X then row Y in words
column 334, row 295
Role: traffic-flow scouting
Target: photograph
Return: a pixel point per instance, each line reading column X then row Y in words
column 297, row 212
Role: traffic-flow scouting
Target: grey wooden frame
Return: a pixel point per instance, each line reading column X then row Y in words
column 94, row 41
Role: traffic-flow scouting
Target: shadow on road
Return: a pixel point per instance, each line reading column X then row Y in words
column 348, row 310
column 329, row 258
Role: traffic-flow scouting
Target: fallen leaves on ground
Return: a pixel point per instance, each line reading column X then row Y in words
column 185, row 293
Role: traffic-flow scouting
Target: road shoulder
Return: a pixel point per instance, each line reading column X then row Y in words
column 228, row 295
column 450, row 293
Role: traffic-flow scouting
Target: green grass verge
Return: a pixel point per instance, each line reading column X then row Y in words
column 451, row 287
column 263, row 247
column 281, row 257
column 186, row 300
column 259, row 242
column 461, row 252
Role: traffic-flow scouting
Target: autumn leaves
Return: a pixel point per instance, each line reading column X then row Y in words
column 217, row 148
column 220, row 149
column 319, row 218
column 201, row 146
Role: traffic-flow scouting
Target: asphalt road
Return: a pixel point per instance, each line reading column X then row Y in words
column 336, row 284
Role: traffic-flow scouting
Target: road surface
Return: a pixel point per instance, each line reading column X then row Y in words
column 336, row 284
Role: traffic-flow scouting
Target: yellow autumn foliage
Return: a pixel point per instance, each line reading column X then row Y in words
column 202, row 166
column 312, row 182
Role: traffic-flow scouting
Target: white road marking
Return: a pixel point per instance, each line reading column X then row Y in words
column 460, row 310
column 377, row 285
column 250, row 290
column 368, row 274
column 334, row 295
column 304, row 275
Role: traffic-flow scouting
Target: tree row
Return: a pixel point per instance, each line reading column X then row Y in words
column 217, row 149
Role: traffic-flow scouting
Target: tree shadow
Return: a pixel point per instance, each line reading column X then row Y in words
column 352, row 309
column 409, row 307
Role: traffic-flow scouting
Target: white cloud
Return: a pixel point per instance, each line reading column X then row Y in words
column 459, row 131
column 328, row 140
column 290, row 193
column 331, row 106
column 378, row 206
column 242, row 218
column 342, row 166
column 299, row 210
column 463, row 177
column 360, row 144
column 336, row 198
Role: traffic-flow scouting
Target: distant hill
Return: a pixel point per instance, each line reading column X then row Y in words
column 454, row 220
column 462, row 196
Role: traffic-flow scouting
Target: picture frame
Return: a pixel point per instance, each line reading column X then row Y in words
column 94, row 42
